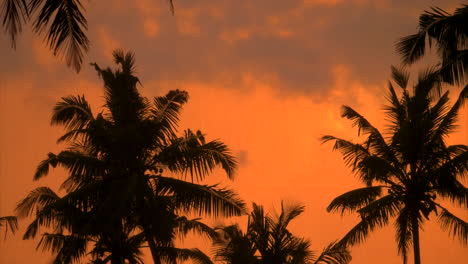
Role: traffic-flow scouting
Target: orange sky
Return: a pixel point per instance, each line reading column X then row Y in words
column 267, row 77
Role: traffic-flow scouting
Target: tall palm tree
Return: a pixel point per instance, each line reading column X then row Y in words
column 63, row 22
column 449, row 33
column 407, row 170
column 268, row 241
column 116, row 160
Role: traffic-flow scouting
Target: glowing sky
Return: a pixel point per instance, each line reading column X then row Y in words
column 267, row 77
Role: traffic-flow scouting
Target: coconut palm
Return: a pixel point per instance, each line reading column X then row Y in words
column 63, row 22
column 407, row 170
column 116, row 160
column 268, row 240
column 449, row 33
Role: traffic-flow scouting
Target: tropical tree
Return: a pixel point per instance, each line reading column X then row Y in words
column 62, row 21
column 449, row 33
column 116, row 192
column 268, row 240
column 406, row 170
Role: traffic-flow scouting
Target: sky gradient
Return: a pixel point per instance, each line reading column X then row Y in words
column 266, row 77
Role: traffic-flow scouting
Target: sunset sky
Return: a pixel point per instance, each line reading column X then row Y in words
column 267, row 77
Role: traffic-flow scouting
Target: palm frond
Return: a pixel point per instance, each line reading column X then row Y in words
column 10, row 223
column 233, row 246
column 288, row 213
column 404, row 233
column 375, row 141
column 167, row 109
column 412, row 47
column 73, row 112
column 352, row 153
column 355, row 199
column 454, row 225
column 450, row 36
column 36, row 199
column 69, row 248
column 375, row 214
column 171, row 254
column 381, row 210
column 454, row 70
column 204, row 199
column 184, row 226
column 299, row 251
column 369, row 167
column 334, row 254
column 400, row 76
column 81, row 166
column 447, row 124
column 192, row 155
column 65, row 25
column 13, row 14
column 126, row 60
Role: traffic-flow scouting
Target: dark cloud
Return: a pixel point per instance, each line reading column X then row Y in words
column 358, row 34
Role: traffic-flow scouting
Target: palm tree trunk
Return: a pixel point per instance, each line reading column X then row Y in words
column 416, row 250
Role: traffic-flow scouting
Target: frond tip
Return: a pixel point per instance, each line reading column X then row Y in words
column 10, row 223
column 454, row 225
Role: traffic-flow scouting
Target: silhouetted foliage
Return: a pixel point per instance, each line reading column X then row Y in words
column 268, row 241
column 406, row 171
column 449, row 33
column 10, row 223
column 62, row 21
column 117, row 196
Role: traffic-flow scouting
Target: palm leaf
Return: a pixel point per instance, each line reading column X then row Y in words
column 10, row 222
column 375, row 214
column 454, row 225
column 73, row 112
column 81, row 166
column 400, row 76
column 184, row 226
column 36, row 199
column 66, row 31
column 167, row 108
column 69, row 248
column 193, row 155
column 204, row 199
column 355, row 199
column 404, row 233
column 13, row 14
column 171, row 254
column 334, row 254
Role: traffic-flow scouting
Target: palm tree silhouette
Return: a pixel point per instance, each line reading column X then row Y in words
column 63, row 21
column 116, row 188
column 268, row 241
column 405, row 172
column 449, row 32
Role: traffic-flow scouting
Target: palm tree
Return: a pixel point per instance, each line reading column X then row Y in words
column 449, row 32
column 268, row 241
column 116, row 161
column 405, row 172
column 63, row 21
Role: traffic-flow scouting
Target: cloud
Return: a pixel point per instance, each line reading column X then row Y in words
column 151, row 27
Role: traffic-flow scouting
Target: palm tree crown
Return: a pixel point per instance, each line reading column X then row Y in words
column 268, row 241
column 408, row 170
column 449, row 33
column 116, row 195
